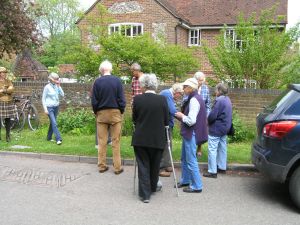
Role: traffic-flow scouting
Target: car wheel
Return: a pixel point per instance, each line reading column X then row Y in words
column 294, row 187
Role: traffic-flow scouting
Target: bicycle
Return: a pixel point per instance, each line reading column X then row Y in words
column 26, row 111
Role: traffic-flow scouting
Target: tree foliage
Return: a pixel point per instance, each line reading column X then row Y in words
column 161, row 59
column 59, row 49
column 17, row 28
column 57, row 16
column 260, row 56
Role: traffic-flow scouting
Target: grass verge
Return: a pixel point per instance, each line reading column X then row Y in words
column 84, row 145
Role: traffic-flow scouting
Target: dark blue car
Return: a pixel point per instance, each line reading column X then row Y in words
column 276, row 150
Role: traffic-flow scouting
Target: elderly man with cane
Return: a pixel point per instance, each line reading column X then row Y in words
column 193, row 132
column 150, row 116
column 172, row 94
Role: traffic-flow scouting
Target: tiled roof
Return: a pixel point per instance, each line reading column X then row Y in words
column 220, row 12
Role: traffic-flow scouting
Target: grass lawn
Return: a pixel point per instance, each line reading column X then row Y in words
column 85, row 145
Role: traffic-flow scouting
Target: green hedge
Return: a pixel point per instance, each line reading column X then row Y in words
column 82, row 121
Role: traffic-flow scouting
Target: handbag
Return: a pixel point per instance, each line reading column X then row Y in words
column 231, row 130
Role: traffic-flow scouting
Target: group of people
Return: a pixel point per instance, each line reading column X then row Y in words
column 153, row 116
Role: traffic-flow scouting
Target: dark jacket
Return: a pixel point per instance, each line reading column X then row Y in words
column 150, row 115
column 108, row 93
column 200, row 127
column 220, row 117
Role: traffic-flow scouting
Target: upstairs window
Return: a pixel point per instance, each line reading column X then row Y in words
column 127, row 29
column 233, row 40
column 195, row 37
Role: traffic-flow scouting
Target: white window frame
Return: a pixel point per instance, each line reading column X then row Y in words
column 117, row 27
column 195, row 37
column 230, row 35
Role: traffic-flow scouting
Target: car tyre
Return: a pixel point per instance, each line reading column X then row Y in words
column 294, row 187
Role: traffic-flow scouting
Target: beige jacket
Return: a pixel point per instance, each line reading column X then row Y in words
column 6, row 90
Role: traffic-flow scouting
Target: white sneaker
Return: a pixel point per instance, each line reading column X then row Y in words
column 58, row 142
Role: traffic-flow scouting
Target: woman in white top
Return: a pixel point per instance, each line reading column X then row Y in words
column 50, row 100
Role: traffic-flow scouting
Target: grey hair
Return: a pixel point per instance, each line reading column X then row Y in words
column 177, row 88
column 222, row 88
column 199, row 74
column 148, row 81
column 105, row 65
column 136, row 66
column 53, row 76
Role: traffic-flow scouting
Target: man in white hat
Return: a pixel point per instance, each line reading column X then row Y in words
column 193, row 132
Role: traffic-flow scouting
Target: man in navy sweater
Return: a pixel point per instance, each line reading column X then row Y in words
column 108, row 103
column 172, row 94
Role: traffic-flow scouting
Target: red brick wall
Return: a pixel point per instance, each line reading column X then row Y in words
column 247, row 102
column 152, row 13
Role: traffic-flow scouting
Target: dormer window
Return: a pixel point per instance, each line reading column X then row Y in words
column 194, row 37
column 127, row 29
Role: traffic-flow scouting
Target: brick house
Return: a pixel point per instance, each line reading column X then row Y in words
column 183, row 22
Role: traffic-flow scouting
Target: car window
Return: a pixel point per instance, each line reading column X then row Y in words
column 294, row 109
column 279, row 100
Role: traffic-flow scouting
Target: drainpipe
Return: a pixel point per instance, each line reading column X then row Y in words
column 176, row 34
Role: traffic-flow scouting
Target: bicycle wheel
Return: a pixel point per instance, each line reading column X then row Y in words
column 18, row 123
column 33, row 118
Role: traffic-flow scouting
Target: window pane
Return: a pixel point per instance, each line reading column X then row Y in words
column 294, row 108
column 134, row 30
column 192, row 33
column 123, row 29
column 112, row 30
column 139, row 29
column 128, row 31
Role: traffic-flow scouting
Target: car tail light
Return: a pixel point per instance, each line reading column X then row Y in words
column 278, row 129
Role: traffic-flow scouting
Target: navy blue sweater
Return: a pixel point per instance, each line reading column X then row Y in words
column 220, row 117
column 108, row 93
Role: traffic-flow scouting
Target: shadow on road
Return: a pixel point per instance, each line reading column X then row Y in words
column 273, row 193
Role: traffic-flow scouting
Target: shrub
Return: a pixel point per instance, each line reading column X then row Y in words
column 176, row 131
column 127, row 127
column 242, row 132
column 77, row 121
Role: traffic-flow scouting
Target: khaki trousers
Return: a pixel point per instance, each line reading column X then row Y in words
column 109, row 118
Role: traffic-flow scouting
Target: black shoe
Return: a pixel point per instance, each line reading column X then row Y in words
column 190, row 190
column 180, row 185
column 221, row 171
column 210, row 175
column 145, row 200
column 103, row 169
column 119, row 172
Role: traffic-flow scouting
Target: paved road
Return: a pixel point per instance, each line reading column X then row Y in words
column 35, row 191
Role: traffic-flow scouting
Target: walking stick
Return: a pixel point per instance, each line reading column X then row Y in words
column 134, row 176
column 135, row 165
column 171, row 157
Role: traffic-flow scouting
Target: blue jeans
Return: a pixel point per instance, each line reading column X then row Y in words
column 217, row 153
column 190, row 169
column 52, row 114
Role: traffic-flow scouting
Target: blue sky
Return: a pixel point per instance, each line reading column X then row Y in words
column 293, row 10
